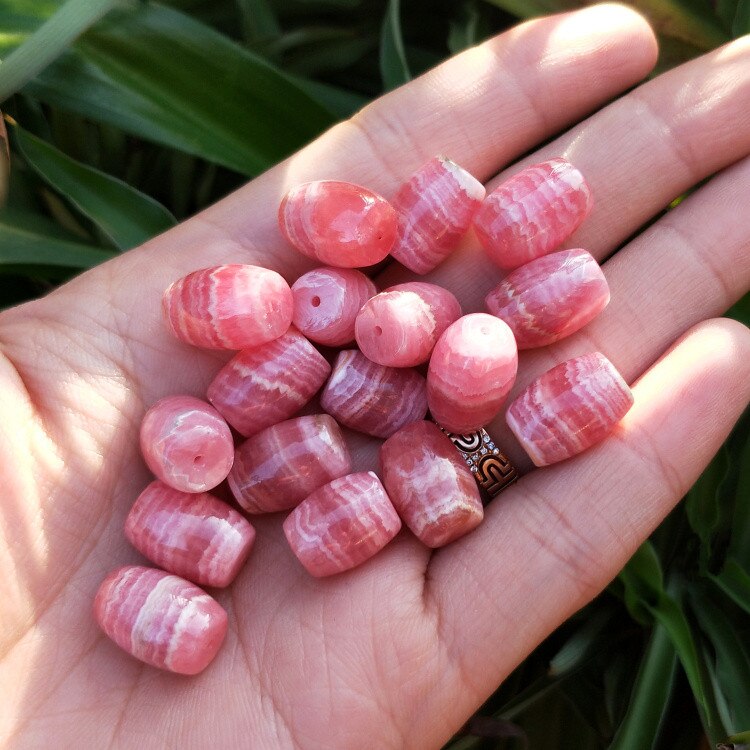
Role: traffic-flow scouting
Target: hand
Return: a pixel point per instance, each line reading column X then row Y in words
column 399, row 652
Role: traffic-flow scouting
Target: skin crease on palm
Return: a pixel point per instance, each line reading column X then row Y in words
column 400, row 652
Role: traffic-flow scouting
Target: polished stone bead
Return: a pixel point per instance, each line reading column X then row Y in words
column 338, row 223
column 342, row 524
column 371, row 398
column 228, row 307
column 570, row 408
column 400, row 326
column 198, row 537
column 160, row 618
column 550, row 297
column 532, row 213
column 472, row 368
column 280, row 466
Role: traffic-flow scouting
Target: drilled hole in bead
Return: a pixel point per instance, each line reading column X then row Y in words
column 315, row 301
column 378, row 331
column 197, row 460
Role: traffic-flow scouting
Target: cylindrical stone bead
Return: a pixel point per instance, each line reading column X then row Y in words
column 280, row 466
column 551, row 297
column 160, row 618
column 371, row 398
column 262, row 386
column 326, row 303
column 342, row 524
column 472, row 368
column 435, row 208
column 198, row 537
column 400, row 326
column 186, row 443
column 228, row 307
column 338, row 223
column 569, row 408
column 430, row 484
column 532, row 213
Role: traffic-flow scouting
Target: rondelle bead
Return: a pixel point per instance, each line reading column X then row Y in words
column 371, row 398
column 400, row 326
column 569, row 408
column 186, row 443
column 280, row 466
column 228, row 307
column 198, row 537
column 430, row 484
column 338, row 223
column 160, row 618
column 262, row 386
column 471, row 370
column 435, row 208
column 550, row 297
column 342, row 524
column 532, row 213
column 326, row 303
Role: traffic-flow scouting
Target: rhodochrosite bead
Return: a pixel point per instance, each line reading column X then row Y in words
column 342, row 524
column 371, row 398
column 186, row 443
column 262, row 386
column 550, row 298
column 197, row 537
column 229, row 307
column 160, row 619
column 472, row 368
column 569, row 408
column 435, row 208
column 326, row 302
column 429, row 484
column 338, row 223
column 532, row 213
column 280, row 466
column 399, row 327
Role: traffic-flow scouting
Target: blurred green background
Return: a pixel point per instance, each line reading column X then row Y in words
column 125, row 117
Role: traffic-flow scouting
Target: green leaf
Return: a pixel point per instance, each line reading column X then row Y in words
column 394, row 68
column 734, row 581
column 741, row 22
column 464, row 31
column 259, row 21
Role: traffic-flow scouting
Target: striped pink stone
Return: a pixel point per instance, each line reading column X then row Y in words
column 262, row 386
column 533, row 212
column 160, row 618
column 472, row 368
column 435, row 208
column 280, row 466
column 228, row 307
column 371, row 398
column 198, row 537
column 186, row 443
column 326, row 303
column 570, row 408
column 429, row 484
column 342, row 524
column 551, row 297
column 400, row 326
column 338, row 223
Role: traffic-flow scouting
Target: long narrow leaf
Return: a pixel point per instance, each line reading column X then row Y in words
column 734, row 581
column 394, row 67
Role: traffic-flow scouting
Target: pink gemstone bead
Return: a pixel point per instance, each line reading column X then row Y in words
column 342, row 524
column 262, row 386
column 280, row 466
column 472, row 368
column 326, row 302
column 400, row 326
column 435, row 209
column 533, row 212
column 197, row 537
column 550, row 297
column 228, row 307
column 186, row 443
column 338, row 223
column 430, row 484
column 371, row 398
column 160, row 619
column 569, row 408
